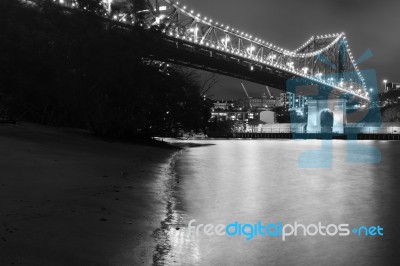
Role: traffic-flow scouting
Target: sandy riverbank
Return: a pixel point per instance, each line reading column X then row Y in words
column 67, row 198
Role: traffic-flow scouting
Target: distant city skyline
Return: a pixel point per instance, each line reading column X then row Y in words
column 368, row 25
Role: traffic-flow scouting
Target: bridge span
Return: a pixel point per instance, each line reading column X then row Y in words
column 323, row 67
column 195, row 40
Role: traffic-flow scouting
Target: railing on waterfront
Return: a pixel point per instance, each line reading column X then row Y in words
column 282, row 135
column 366, row 128
column 286, row 132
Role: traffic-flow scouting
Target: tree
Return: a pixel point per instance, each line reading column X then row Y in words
column 71, row 69
column 217, row 128
column 282, row 114
column 209, row 81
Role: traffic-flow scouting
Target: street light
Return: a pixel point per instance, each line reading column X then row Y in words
column 385, row 81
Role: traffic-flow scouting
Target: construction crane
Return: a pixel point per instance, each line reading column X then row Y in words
column 270, row 95
column 248, row 97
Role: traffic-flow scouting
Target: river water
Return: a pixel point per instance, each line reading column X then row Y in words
column 266, row 180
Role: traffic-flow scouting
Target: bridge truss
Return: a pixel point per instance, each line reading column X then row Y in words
column 202, row 42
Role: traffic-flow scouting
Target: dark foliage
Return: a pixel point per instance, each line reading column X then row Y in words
column 391, row 113
column 391, row 102
column 283, row 115
column 220, row 129
column 68, row 68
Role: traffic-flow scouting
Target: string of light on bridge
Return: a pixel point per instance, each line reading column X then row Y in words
column 270, row 60
column 294, row 53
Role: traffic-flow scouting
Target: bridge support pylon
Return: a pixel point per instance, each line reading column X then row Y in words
column 337, row 107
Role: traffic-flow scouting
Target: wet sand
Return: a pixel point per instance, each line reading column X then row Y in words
column 68, row 198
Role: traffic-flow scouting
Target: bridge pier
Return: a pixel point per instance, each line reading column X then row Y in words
column 317, row 107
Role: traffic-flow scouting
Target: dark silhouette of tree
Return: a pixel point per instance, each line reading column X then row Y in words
column 281, row 115
column 220, row 129
column 209, row 81
column 68, row 68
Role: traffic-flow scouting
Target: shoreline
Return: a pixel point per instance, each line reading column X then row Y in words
column 161, row 234
column 68, row 198
column 172, row 222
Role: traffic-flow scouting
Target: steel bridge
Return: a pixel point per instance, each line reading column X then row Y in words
column 195, row 40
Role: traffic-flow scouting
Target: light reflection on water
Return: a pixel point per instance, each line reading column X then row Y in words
column 259, row 180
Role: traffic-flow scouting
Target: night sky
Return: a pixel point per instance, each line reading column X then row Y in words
column 368, row 24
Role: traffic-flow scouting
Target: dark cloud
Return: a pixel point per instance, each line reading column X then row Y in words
column 369, row 24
